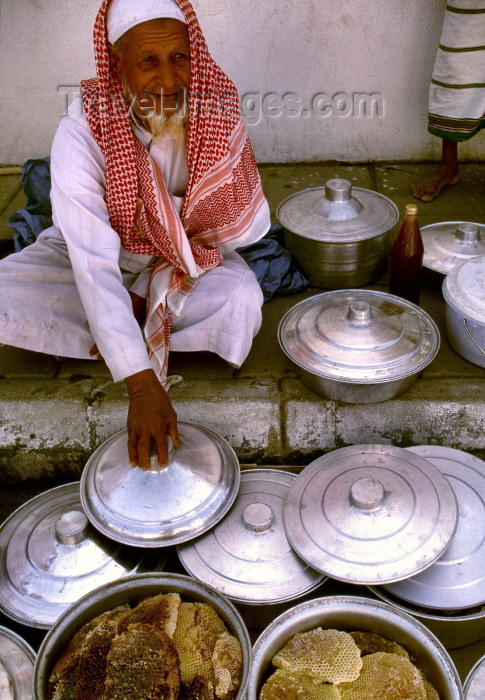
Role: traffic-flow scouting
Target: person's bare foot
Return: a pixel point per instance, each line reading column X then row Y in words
column 429, row 188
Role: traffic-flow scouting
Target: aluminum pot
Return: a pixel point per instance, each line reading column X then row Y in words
column 475, row 681
column 131, row 590
column 453, row 631
column 338, row 234
column 351, row 613
column 358, row 345
column 464, row 294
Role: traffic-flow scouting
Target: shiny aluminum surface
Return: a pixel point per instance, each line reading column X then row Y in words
column 370, row 514
column 50, row 556
column 456, row 581
column 337, row 212
column 356, row 613
column 16, row 666
column 338, row 234
column 361, row 336
column 163, row 505
column 247, row 556
column 474, row 686
column 464, row 288
column 132, row 590
column 450, row 242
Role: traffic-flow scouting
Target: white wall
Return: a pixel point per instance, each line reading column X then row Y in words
column 384, row 48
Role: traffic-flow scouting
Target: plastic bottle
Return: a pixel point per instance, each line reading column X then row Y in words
column 406, row 258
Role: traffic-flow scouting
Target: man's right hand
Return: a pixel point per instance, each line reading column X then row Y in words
column 150, row 417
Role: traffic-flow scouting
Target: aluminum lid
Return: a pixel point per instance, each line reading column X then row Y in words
column 16, row 666
column 359, row 335
column 464, row 288
column 50, row 556
column 247, row 556
column 337, row 212
column 161, row 506
column 450, row 242
column 474, row 685
column 456, row 581
column 370, row 514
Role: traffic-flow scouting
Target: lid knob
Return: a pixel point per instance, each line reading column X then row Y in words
column 338, row 190
column 257, row 517
column 359, row 313
column 467, row 233
column 367, row 493
column 70, row 527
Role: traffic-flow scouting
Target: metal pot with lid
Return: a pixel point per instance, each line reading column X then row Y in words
column 338, row 234
column 16, row 666
column 464, row 294
column 370, row 514
column 448, row 243
column 247, row 556
column 50, row 556
column 163, row 505
column 357, row 345
column 449, row 596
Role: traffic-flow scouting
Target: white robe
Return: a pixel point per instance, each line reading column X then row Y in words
column 78, row 273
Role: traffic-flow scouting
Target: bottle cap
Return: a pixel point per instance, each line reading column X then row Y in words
column 411, row 209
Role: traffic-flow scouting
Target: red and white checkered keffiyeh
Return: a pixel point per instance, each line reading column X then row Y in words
column 223, row 194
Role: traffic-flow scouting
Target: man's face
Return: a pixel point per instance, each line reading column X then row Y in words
column 154, row 61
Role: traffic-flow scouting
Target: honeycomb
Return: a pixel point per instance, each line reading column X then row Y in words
column 142, row 663
column 159, row 610
column 325, row 655
column 227, row 663
column 385, row 676
column 290, row 686
column 161, row 649
column 369, row 643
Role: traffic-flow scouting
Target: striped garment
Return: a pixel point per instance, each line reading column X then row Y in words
column 457, row 90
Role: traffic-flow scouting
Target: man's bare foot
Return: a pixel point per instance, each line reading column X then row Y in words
column 429, row 188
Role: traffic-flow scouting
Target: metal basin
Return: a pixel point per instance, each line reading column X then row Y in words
column 351, row 613
column 338, row 234
column 133, row 589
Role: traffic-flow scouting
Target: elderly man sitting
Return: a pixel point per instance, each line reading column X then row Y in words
column 154, row 184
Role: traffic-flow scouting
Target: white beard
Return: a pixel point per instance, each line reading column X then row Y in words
column 174, row 124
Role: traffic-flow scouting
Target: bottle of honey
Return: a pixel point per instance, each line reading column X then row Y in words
column 406, row 258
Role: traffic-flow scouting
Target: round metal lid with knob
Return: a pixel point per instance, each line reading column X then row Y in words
column 50, row 556
column 162, row 505
column 337, row 212
column 358, row 335
column 247, row 556
column 16, row 666
column 370, row 513
column 450, row 242
column 456, row 581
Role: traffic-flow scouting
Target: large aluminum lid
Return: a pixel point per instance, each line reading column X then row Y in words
column 474, row 685
column 370, row 514
column 359, row 335
column 457, row 579
column 163, row 505
column 450, row 242
column 50, row 556
column 16, row 666
column 337, row 212
column 464, row 288
column 247, row 556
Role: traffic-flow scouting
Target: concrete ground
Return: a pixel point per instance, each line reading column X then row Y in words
column 54, row 414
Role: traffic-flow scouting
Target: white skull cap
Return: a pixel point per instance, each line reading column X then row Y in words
column 122, row 15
